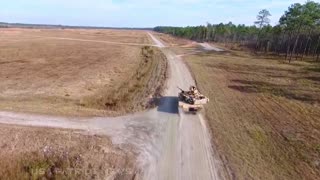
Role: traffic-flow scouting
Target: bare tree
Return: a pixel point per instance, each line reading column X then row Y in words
column 262, row 20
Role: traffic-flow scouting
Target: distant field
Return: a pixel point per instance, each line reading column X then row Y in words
column 39, row 73
column 124, row 36
column 264, row 114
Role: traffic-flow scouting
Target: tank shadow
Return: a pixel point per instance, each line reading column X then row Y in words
column 168, row 104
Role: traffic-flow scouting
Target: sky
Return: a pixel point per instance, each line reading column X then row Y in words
column 140, row 13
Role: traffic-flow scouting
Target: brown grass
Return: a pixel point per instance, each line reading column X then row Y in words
column 264, row 114
column 140, row 89
column 125, row 36
column 55, row 76
column 41, row 153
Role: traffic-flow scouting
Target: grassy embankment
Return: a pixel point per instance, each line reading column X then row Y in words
column 139, row 90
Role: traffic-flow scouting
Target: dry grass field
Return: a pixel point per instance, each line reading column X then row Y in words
column 43, row 74
column 264, row 113
column 122, row 36
column 76, row 73
column 42, row 153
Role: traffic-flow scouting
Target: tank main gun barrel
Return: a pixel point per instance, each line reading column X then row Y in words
column 180, row 89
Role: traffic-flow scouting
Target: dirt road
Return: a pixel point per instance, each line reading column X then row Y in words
column 171, row 144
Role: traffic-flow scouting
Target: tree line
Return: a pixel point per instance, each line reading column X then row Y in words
column 296, row 36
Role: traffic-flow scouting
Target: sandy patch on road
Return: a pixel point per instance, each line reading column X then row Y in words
column 210, row 47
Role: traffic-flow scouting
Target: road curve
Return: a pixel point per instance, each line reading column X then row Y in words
column 171, row 145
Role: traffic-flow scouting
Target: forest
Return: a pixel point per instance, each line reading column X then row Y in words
column 296, row 35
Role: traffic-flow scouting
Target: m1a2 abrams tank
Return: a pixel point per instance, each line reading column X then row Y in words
column 192, row 100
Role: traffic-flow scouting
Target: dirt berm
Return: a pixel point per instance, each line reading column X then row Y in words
column 141, row 89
